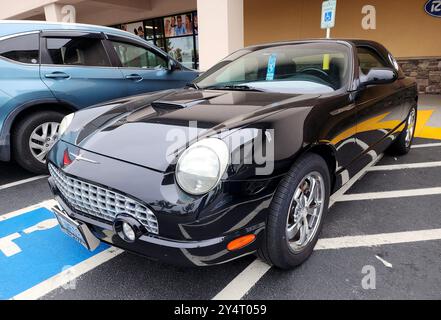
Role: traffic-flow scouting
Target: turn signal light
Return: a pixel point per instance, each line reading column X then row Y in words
column 241, row 242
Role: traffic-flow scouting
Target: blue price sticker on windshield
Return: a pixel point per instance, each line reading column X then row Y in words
column 271, row 69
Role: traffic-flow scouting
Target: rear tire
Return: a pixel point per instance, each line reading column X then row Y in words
column 282, row 246
column 403, row 142
column 35, row 125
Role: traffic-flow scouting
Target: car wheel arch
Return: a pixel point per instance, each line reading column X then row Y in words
column 22, row 112
column 38, row 107
column 328, row 153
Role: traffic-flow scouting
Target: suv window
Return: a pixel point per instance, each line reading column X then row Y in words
column 24, row 49
column 133, row 56
column 369, row 59
column 77, row 51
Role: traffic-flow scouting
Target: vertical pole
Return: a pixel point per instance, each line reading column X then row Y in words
column 328, row 33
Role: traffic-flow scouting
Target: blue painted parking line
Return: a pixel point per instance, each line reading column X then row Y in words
column 33, row 249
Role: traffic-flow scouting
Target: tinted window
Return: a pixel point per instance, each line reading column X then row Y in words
column 22, row 48
column 369, row 59
column 133, row 56
column 77, row 51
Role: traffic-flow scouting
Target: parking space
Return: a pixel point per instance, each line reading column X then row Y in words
column 387, row 224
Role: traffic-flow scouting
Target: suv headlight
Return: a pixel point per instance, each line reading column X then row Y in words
column 65, row 123
column 202, row 165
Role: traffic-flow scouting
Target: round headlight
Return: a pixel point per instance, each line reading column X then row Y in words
column 202, row 165
column 65, row 123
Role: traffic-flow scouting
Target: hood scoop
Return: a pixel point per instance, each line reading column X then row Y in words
column 165, row 105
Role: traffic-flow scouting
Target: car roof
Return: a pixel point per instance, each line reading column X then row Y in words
column 355, row 42
column 11, row 27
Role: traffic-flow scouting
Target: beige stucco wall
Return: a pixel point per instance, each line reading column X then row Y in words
column 402, row 25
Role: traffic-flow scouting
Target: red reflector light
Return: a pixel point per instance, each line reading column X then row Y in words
column 66, row 159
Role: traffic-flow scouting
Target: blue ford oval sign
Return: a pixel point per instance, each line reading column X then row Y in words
column 433, row 7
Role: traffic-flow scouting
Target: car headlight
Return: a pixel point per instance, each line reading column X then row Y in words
column 202, row 165
column 65, row 123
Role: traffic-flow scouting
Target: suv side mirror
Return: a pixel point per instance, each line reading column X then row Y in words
column 379, row 76
column 172, row 66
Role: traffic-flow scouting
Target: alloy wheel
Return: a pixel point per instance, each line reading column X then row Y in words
column 410, row 127
column 42, row 139
column 305, row 211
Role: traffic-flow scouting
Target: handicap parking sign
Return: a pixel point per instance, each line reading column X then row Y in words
column 328, row 14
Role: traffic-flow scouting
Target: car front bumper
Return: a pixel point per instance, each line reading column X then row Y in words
column 192, row 231
column 182, row 253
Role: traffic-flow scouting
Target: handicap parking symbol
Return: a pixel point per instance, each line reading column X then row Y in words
column 33, row 249
column 328, row 16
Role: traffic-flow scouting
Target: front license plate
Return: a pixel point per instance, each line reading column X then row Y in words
column 76, row 230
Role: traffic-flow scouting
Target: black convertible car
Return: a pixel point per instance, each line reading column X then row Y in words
column 243, row 160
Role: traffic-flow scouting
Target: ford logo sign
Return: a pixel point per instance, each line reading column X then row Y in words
column 433, row 7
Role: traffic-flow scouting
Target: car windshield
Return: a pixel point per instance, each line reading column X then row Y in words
column 299, row 68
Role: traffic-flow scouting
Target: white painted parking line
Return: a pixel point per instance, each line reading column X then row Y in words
column 20, row 182
column 378, row 239
column 246, row 280
column 68, row 275
column 339, row 193
column 390, row 194
column 44, row 204
column 406, row 166
column 426, row 145
column 243, row 282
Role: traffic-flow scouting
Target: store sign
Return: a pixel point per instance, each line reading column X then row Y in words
column 433, row 8
column 328, row 14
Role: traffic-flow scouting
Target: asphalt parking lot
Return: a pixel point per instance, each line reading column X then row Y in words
column 381, row 240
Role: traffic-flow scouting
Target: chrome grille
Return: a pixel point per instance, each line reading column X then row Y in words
column 100, row 202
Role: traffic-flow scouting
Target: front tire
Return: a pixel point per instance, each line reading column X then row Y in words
column 296, row 213
column 403, row 142
column 33, row 137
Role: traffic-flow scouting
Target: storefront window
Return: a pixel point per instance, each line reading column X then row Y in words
column 176, row 34
column 149, row 30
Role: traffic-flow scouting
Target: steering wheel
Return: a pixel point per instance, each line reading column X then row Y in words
column 318, row 73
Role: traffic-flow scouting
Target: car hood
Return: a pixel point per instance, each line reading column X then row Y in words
column 151, row 130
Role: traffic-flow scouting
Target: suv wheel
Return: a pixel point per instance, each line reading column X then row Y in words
column 33, row 137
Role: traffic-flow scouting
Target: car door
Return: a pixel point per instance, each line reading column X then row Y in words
column 147, row 69
column 379, row 106
column 77, row 69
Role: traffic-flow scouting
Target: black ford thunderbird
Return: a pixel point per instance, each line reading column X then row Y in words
column 241, row 161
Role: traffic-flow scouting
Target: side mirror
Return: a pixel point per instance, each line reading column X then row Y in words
column 172, row 66
column 378, row 76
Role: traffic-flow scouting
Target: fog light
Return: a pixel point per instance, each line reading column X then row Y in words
column 128, row 228
column 128, row 232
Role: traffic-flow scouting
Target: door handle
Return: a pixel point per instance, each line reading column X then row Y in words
column 134, row 77
column 57, row 75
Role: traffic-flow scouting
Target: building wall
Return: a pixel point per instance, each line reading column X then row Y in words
column 426, row 71
column 402, row 25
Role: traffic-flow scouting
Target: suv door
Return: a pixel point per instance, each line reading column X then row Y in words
column 77, row 69
column 145, row 68
column 379, row 107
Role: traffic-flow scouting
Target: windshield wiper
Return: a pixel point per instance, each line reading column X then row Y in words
column 239, row 87
column 192, row 85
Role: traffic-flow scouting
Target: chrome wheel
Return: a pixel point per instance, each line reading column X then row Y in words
column 305, row 211
column 42, row 139
column 410, row 127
